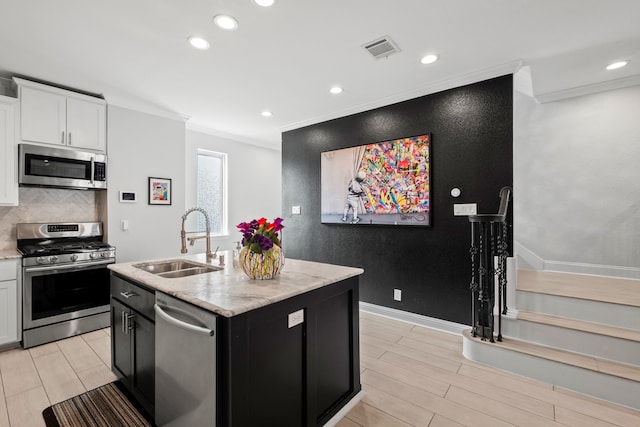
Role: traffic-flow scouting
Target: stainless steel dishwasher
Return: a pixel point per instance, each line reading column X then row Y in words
column 185, row 364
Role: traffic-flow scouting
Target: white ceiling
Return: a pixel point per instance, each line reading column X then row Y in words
column 286, row 58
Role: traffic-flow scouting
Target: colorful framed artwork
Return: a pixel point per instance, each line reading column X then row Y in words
column 159, row 191
column 386, row 183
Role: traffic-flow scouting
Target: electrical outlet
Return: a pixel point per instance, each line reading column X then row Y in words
column 462, row 209
column 397, row 295
column 295, row 210
column 296, row 318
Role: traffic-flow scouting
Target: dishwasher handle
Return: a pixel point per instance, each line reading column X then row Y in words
column 180, row 324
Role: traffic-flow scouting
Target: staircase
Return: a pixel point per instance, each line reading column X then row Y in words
column 575, row 331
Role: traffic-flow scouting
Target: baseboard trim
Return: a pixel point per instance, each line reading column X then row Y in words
column 344, row 410
column 416, row 319
column 527, row 256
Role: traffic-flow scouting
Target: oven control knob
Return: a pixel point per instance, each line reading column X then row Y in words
column 53, row 258
column 41, row 260
column 104, row 254
column 74, row 257
column 92, row 255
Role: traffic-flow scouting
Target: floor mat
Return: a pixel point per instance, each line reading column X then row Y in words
column 105, row 406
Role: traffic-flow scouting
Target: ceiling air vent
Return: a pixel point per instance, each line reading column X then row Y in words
column 382, row 47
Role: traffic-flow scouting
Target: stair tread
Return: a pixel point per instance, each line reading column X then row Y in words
column 595, row 288
column 604, row 366
column 580, row 325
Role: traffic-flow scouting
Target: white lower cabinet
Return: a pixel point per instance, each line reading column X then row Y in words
column 9, row 302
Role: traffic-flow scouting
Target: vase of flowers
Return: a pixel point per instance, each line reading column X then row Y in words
column 261, row 256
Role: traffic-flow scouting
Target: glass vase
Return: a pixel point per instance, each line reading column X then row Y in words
column 261, row 266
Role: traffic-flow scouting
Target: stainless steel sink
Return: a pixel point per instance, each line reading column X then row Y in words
column 189, row 272
column 176, row 268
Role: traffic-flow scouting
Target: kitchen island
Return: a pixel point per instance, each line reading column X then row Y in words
column 287, row 349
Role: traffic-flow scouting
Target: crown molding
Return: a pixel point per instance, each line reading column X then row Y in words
column 145, row 108
column 574, row 92
column 457, row 81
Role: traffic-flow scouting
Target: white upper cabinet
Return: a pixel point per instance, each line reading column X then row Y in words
column 86, row 124
column 55, row 116
column 8, row 154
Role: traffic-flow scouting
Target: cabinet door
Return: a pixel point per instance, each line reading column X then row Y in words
column 8, row 312
column 144, row 362
column 86, row 124
column 120, row 342
column 43, row 116
column 334, row 351
column 8, row 158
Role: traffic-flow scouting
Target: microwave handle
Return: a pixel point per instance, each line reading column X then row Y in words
column 93, row 170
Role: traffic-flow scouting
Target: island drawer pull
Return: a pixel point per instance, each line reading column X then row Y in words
column 128, row 294
column 180, row 324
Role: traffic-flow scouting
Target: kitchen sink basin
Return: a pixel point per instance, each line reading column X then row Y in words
column 189, row 272
column 176, row 268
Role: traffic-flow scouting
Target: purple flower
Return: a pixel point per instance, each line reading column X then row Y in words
column 260, row 235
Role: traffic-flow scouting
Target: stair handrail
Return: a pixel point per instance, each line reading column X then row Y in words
column 491, row 230
column 501, row 216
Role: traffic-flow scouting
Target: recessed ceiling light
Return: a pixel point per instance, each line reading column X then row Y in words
column 336, row 90
column 198, row 43
column 429, row 59
column 265, row 3
column 617, row 65
column 225, row 22
column 267, row 113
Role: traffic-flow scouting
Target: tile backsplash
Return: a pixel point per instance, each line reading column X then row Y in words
column 46, row 205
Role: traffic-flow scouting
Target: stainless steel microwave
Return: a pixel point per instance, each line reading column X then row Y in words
column 64, row 168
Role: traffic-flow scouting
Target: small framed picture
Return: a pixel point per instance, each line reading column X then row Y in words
column 159, row 191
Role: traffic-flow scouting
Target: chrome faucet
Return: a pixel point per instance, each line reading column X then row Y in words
column 183, row 234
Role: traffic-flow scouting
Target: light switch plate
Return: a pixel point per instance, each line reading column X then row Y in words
column 295, row 210
column 296, row 318
column 462, row 209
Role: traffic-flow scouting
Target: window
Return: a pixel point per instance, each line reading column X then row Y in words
column 212, row 190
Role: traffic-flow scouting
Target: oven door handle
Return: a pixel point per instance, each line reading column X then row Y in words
column 67, row 267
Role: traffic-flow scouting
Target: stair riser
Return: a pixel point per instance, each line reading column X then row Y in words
column 601, row 346
column 623, row 316
column 614, row 389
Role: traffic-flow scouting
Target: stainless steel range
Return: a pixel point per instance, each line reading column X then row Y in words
column 65, row 280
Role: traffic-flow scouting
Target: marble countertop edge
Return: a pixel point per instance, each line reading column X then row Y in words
column 230, row 292
column 9, row 254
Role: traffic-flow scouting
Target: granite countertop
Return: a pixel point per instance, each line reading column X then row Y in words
column 9, row 254
column 230, row 292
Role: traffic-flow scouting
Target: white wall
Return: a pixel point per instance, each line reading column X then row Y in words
column 140, row 146
column 254, row 182
column 577, row 179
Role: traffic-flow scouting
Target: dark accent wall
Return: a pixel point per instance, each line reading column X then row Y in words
column 472, row 149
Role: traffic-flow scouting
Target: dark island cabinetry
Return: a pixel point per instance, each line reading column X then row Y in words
column 294, row 362
column 290, row 360
column 133, row 339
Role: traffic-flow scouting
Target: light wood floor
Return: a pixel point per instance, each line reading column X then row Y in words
column 31, row 380
column 412, row 376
